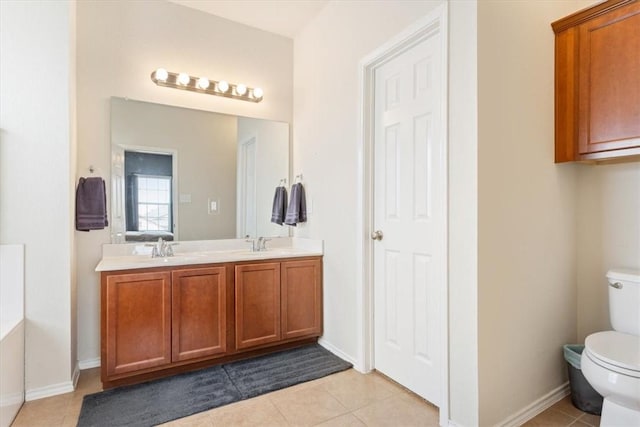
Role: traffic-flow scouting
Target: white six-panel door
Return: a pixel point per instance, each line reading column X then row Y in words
column 410, row 211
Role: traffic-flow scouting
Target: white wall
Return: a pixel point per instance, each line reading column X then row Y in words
column 326, row 121
column 608, row 236
column 527, row 211
column 119, row 44
column 37, row 174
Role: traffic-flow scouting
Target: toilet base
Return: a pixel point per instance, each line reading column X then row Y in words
column 616, row 415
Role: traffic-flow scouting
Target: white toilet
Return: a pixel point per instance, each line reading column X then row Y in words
column 611, row 359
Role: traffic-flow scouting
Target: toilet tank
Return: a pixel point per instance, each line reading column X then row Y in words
column 624, row 300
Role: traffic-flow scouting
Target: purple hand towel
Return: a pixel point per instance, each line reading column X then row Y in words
column 279, row 205
column 297, row 211
column 91, row 204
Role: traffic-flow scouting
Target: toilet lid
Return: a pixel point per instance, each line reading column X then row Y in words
column 616, row 349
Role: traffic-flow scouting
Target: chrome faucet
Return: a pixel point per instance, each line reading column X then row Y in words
column 259, row 244
column 161, row 248
column 262, row 243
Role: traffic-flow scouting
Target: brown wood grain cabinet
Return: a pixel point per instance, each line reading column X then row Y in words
column 167, row 320
column 199, row 315
column 257, row 304
column 597, row 82
column 301, row 298
column 136, row 322
column 278, row 302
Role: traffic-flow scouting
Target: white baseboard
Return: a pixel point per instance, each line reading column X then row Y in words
column 76, row 376
column 50, row 390
column 333, row 349
column 89, row 363
column 55, row 389
column 537, row 407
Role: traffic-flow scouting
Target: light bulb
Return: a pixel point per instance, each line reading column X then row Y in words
column 223, row 86
column 203, row 83
column 241, row 89
column 162, row 74
column 183, row 79
column 257, row 93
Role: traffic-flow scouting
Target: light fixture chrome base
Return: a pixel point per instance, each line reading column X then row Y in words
column 203, row 85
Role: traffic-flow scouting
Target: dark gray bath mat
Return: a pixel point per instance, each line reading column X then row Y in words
column 167, row 399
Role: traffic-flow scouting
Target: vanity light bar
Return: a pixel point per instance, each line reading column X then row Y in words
column 183, row 81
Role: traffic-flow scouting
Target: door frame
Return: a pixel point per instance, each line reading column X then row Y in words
column 433, row 23
column 241, row 184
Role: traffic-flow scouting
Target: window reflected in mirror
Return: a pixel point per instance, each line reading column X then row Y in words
column 148, row 195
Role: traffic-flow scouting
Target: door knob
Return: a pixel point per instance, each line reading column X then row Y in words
column 377, row 235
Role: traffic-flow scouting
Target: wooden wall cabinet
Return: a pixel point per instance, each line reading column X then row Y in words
column 597, row 82
column 169, row 320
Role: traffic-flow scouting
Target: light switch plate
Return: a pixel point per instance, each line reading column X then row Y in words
column 213, row 206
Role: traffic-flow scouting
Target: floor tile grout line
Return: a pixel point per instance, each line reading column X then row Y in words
column 360, row 419
column 284, row 417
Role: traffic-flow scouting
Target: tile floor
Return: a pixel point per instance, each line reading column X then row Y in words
column 344, row 399
column 564, row 414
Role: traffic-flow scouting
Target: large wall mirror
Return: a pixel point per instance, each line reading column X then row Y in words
column 184, row 174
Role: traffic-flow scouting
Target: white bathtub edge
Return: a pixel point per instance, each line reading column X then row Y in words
column 11, row 374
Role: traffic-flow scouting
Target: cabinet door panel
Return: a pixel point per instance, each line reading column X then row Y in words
column 257, row 304
column 610, row 81
column 199, row 313
column 137, row 319
column 301, row 298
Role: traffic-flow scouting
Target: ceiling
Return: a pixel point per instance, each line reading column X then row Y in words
column 284, row 17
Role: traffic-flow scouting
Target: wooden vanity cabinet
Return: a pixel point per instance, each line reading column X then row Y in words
column 153, row 320
column 136, row 322
column 199, row 313
column 301, row 289
column 276, row 302
column 597, row 82
column 169, row 320
column 257, row 304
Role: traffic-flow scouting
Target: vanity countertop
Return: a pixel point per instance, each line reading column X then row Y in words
column 136, row 255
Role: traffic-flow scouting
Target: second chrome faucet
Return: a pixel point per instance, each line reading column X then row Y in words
column 259, row 244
